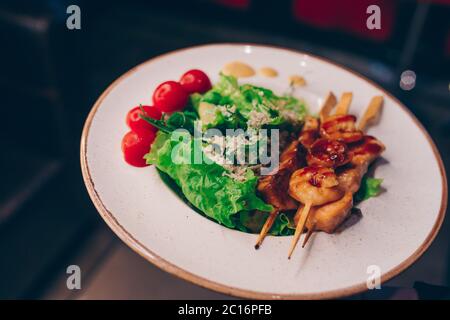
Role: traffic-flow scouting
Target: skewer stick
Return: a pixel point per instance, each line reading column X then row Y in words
column 327, row 106
column 344, row 104
column 372, row 112
column 300, row 226
column 308, row 235
column 266, row 227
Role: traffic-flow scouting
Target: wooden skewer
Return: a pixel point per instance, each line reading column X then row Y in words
column 300, row 226
column 328, row 105
column 344, row 104
column 372, row 112
column 266, row 227
column 308, row 235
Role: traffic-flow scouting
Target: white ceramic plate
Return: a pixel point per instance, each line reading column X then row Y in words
column 396, row 228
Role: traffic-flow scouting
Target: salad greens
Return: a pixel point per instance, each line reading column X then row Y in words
column 209, row 186
column 219, row 196
column 185, row 120
column 370, row 187
column 233, row 106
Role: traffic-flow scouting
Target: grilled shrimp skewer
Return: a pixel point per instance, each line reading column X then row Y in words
column 317, row 184
column 328, row 217
column 325, row 196
column 273, row 187
column 312, row 186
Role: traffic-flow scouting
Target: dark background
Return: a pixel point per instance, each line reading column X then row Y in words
column 51, row 76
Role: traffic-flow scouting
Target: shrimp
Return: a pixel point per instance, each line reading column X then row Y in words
column 316, row 185
column 329, row 216
column 273, row 187
column 312, row 186
column 341, row 127
column 328, row 153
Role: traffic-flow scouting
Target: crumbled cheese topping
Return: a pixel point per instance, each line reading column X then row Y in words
column 227, row 110
column 290, row 116
column 235, row 172
column 257, row 119
column 225, row 150
column 214, row 150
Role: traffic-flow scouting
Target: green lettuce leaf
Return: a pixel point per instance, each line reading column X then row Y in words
column 185, row 119
column 253, row 222
column 249, row 99
column 291, row 108
column 205, row 186
column 370, row 187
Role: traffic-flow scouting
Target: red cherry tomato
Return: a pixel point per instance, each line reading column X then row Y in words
column 135, row 145
column 136, row 123
column 170, row 96
column 195, row 81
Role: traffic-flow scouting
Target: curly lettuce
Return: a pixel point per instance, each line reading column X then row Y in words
column 247, row 102
column 205, row 186
column 253, row 222
column 370, row 187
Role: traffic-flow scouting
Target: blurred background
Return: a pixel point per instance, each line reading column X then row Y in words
column 50, row 77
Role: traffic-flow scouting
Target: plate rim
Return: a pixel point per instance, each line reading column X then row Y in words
column 166, row 266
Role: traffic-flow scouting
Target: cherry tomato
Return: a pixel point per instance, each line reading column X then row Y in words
column 135, row 145
column 136, row 123
column 170, row 96
column 195, row 81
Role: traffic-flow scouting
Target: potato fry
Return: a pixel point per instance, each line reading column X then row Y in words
column 328, row 105
column 344, row 103
column 372, row 112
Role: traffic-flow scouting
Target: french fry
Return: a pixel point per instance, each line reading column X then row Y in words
column 372, row 112
column 327, row 106
column 344, row 104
